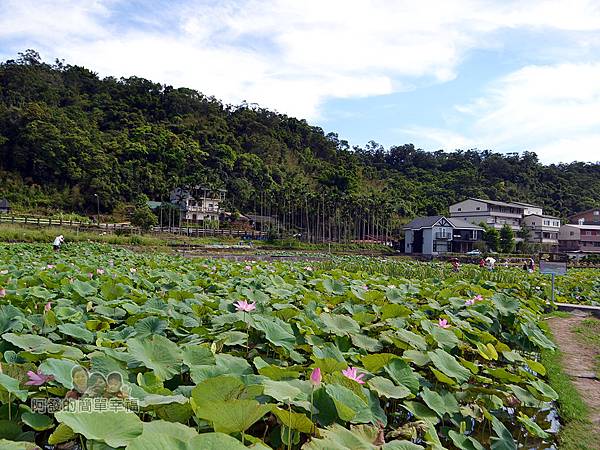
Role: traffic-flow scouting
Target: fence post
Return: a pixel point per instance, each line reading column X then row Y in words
column 38, row 220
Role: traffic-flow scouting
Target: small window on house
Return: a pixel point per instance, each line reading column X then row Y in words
column 478, row 208
column 459, row 209
column 571, row 233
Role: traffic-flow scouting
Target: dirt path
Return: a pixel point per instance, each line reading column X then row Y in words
column 578, row 362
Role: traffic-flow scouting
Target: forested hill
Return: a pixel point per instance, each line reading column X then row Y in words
column 66, row 134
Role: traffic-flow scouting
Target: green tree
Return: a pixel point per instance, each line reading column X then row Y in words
column 143, row 216
column 524, row 234
column 491, row 237
column 507, row 239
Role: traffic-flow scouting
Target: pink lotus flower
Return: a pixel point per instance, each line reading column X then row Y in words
column 37, row 379
column 133, row 270
column 352, row 374
column 248, row 267
column 315, row 377
column 443, row 323
column 2, row 292
column 365, row 287
column 243, row 305
column 90, row 275
column 470, row 302
column 48, row 307
column 50, row 266
column 308, row 268
column 478, row 298
column 100, row 271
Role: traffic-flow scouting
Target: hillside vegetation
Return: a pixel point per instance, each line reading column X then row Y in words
column 65, row 134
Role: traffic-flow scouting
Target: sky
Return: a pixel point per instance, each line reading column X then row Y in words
column 508, row 76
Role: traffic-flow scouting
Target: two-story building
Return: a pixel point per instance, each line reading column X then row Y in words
column 434, row 235
column 198, row 204
column 579, row 238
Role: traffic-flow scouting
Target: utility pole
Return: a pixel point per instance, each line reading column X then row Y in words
column 98, row 209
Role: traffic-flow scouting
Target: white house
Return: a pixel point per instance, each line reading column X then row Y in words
column 198, row 204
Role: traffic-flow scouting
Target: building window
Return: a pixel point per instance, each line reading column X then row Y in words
column 597, row 213
column 474, row 234
column 459, row 209
column 478, row 208
column 571, row 233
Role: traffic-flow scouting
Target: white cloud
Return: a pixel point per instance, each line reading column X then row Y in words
column 282, row 54
column 553, row 110
column 292, row 55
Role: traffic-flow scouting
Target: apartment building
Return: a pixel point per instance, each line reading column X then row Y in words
column 579, row 238
column 543, row 229
column 496, row 214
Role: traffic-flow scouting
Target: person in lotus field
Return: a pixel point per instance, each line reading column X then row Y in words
column 58, row 241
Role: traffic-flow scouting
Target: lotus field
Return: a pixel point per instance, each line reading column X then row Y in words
column 106, row 348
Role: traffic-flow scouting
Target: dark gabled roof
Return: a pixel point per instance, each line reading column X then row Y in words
column 430, row 221
column 4, row 203
column 463, row 224
column 422, row 222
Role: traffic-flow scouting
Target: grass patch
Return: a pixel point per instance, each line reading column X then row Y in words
column 589, row 332
column 577, row 432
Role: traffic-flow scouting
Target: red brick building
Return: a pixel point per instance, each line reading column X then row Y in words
column 589, row 217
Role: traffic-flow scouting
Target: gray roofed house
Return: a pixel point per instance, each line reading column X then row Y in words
column 434, row 235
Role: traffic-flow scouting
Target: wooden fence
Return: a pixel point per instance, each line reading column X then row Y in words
column 127, row 228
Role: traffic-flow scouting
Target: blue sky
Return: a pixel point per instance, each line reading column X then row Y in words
column 505, row 75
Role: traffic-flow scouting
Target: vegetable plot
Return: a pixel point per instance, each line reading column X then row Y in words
column 142, row 351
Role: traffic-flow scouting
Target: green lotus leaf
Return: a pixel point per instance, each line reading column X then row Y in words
column 12, row 386
column 77, row 332
column 198, row 355
column 464, row 442
column 374, row 363
column 294, row 420
column 39, row 422
column 276, row 331
column 158, row 353
column 13, row 445
column 61, row 434
column 223, row 387
column 150, row 326
column 39, row 344
column 232, row 416
column 448, row 365
column 350, row 407
column 384, row 387
column 113, row 428
column 402, row 374
column 365, row 342
column 339, row 324
column 444, row 403
column 413, row 339
column 83, row 289
column 503, row 439
column 532, row 427
column 60, row 369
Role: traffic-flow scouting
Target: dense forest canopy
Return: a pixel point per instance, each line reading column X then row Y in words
column 66, row 134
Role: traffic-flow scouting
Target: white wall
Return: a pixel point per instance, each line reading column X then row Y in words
column 427, row 241
column 408, row 241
